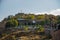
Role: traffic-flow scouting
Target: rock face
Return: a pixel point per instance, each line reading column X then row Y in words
column 56, row 35
column 2, row 25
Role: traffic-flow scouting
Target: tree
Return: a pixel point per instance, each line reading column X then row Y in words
column 40, row 28
column 42, row 22
column 40, row 17
column 11, row 23
column 58, row 19
column 26, row 28
column 9, row 17
column 30, row 16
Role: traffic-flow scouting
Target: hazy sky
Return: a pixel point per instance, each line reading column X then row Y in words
column 11, row 7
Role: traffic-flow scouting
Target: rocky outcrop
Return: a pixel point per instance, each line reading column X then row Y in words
column 56, row 35
column 2, row 25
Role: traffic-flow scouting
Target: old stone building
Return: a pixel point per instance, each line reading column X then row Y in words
column 28, row 22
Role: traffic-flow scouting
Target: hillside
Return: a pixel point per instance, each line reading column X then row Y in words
column 42, row 25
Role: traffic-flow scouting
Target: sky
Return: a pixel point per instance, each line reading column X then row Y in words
column 12, row 7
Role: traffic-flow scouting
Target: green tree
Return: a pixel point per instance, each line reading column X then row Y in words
column 40, row 17
column 26, row 28
column 58, row 19
column 11, row 23
column 40, row 28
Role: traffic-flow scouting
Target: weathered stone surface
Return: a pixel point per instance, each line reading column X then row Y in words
column 56, row 35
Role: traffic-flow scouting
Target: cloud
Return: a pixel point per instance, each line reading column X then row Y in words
column 53, row 12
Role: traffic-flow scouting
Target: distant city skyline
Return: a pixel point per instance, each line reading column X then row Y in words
column 12, row 7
